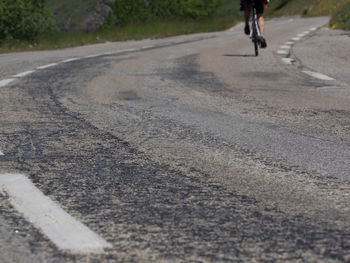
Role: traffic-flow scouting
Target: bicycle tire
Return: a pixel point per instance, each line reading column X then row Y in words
column 256, row 48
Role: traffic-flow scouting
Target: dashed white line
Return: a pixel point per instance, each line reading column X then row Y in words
column 306, row 32
column 5, row 82
column 282, row 52
column 47, row 66
column 301, row 35
column 23, row 74
column 317, row 75
column 288, row 61
column 313, row 28
column 285, row 47
column 296, row 38
column 62, row 229
column 289, row 43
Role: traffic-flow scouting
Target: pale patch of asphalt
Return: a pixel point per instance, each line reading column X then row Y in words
column 5, row 82
column 1, row 153
column 332, row 46
column 63, row 230
column 285, row 50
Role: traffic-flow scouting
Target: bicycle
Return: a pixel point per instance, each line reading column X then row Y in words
column 255, row 34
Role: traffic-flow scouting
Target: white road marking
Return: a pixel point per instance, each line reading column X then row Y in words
column 301, row 35
column 313, row 28
column 330, row 87
column 23, row 74
column 317, row 75
column 282, row 52
column 47, row 66
column 296, row 38
column 306, row 32
column 62, row 229
column 146, row 47
column 289, row 43
column 5, row 82
column 285, row 47
column 70, row 60
column 288, row 61
column 1, row 153
column 93, row 56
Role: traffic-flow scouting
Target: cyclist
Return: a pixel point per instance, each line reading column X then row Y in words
column 260, row 6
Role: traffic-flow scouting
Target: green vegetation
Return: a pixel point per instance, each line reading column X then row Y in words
column 69, row 13
column 223, row 17
column 127, row 11
column 23, row 20
column 341, row 16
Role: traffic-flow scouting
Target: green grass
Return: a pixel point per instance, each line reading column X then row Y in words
column 137, row 31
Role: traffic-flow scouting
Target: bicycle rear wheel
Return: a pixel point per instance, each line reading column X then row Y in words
column 256, row 48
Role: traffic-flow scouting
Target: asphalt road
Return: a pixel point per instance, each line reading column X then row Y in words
column 186, row 149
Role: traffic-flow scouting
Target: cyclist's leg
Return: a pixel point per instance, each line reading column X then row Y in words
column 247, row 11
column 260, row 6
column 261, row 22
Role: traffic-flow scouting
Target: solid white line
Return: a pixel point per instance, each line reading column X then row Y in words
column 285, row 47
column 5, row 82
column 61, row 228
column 47, row 66
column 317, row 75
column 70, row 60
column 23, row 74
column 93, row 56
column 282, row 52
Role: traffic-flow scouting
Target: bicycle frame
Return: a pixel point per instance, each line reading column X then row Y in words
column 255, row 32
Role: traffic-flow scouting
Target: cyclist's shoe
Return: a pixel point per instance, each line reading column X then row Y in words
column 247, row 29
column 263, row 43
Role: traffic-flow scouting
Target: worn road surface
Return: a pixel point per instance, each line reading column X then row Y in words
column 186, row 149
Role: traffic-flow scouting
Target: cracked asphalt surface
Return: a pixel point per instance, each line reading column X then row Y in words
column 194, row 151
